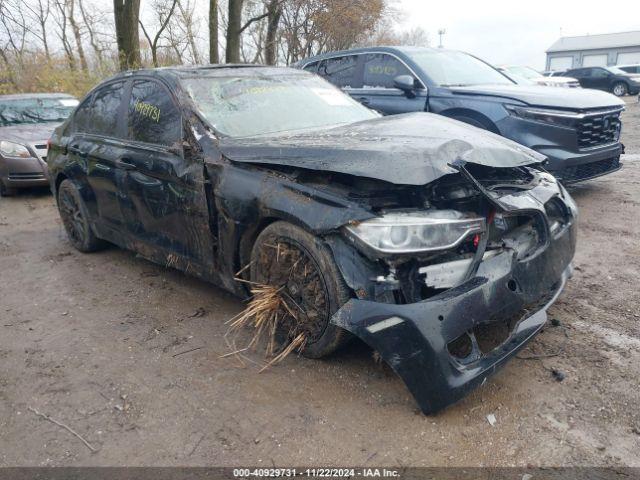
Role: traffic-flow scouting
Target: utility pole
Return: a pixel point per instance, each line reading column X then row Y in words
column 441, row 33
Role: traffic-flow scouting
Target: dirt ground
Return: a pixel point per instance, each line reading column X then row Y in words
column 97, row 342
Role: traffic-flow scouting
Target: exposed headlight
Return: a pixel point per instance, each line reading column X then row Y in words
column 554, row 117
column 412, row 232
column 11, row 149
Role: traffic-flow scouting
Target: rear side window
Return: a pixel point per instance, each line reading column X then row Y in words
column 152, row 116
column 341, row 71
column 380, row 69
column 105, row 109
column 82, row 116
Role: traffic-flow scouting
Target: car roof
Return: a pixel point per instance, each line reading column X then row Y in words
column 213, row 70
column 25, row 96
column 384, row 49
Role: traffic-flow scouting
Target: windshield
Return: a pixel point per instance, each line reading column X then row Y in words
column 457, row 69
column 617, row 71
column 247, row 106
column 35, row 110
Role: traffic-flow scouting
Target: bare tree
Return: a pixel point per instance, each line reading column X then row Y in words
column 127, row 15
column 14, row 24
column 188, row 25
column 164, row 18
column 312, row 27
column 274, row 13
column 234, row 23
column 214, row 55
column 71, row 4
column 62, row 21
column 90, row 21
column 39, row 14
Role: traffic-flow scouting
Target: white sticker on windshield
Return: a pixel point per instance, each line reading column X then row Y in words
column 69, row 102
column 332, row 97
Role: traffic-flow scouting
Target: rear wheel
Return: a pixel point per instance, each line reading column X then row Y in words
column 75, row 218
column 6, row 191
column 288, row 257
column 620, row 89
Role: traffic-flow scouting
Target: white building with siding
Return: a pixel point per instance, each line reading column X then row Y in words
column 594, row 51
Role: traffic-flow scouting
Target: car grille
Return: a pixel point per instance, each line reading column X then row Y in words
column 599, row 129
column 588, row 170
column 27, row 176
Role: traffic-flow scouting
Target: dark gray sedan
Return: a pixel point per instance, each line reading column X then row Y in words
column 438, row 244
column 26, row 123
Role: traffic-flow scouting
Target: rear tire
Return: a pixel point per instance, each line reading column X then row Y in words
column 287, row 256
column 75, row 218
column 6, row 191
column 620, row 89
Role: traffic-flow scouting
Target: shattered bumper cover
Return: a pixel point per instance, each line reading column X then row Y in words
column 416, row 339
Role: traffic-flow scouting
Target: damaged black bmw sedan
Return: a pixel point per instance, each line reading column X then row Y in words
column 439, row 245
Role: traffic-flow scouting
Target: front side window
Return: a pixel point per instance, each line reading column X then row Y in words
column 457, row 69
column 242, row 106
column 105, row 109
column 340, row 71
column 35, row 110
column 152, row 116
column 380, row 69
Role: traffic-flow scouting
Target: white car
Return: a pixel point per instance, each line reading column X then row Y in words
column 528, row 76
column 634, row 69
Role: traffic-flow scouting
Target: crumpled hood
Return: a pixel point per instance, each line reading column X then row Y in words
column 543, row 96
column 28, row 133
column 409, row 149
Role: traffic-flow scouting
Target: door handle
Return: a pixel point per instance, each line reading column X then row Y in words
column 364, row 100
column 125, row 164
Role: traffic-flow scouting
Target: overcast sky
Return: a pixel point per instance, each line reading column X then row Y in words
column 516, row 31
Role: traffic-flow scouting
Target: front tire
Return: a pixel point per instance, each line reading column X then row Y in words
column 287, row 256
column 75, row 218
column 620, row 89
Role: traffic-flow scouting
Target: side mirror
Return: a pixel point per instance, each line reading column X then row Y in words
column 406, row 83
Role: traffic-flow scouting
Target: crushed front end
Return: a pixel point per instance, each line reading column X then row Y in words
column 445, row 319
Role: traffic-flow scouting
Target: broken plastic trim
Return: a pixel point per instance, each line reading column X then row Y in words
column 413, row 338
